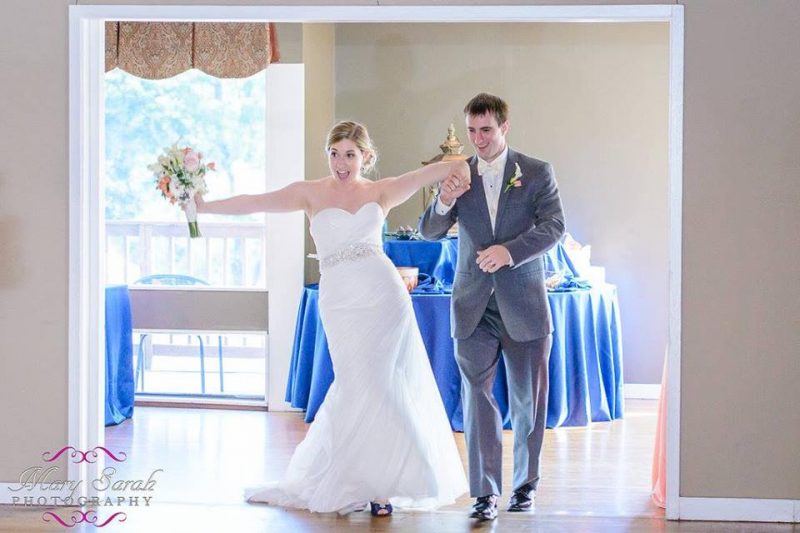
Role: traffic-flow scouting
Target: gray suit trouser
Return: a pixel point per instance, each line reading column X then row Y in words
column 527, row 372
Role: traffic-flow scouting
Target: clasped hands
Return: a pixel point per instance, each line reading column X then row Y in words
column 455, row 184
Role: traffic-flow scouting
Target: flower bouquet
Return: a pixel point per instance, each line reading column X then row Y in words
column 180, row 174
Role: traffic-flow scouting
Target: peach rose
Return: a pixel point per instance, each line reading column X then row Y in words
column 163, row 184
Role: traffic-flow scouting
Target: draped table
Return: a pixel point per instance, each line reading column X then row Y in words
column 119, row 355
column 435, row 258
column 585, row 360
column 438, row 258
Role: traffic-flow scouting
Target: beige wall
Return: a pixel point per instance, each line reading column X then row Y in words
column 590, row 98
column 320, row 62
column 34, row 243
column 740, row 400
column 290, row 42
column 740, row 376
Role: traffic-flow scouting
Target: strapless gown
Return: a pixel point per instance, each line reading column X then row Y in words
column 382, row 431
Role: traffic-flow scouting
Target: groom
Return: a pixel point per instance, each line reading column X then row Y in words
column 507, row 220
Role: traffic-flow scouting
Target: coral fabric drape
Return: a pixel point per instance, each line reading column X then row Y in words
column 158, row 50
column 659, row 477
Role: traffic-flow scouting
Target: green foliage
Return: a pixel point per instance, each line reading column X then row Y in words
column 223, row 119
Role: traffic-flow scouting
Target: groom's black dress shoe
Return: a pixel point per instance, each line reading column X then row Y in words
column 522, row 500
column 485, row 508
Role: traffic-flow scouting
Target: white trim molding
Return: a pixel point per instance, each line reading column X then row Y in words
column 86, row 338
column 673, row 395
column 413, row 13
column 740, row 509
column 86, row 217
column 285, row 239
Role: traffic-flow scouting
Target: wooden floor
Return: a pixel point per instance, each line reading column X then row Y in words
column 594, row 479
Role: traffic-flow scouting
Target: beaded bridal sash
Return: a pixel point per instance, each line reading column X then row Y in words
column 351, row 252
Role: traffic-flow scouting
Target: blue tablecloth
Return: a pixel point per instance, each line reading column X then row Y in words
column 438, row 259
column 119, row 355
column 585, row 361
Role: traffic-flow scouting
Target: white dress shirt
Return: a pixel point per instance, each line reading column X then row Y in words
column 492, row 176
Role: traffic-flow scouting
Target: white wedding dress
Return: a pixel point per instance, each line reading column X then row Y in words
column 382, row 431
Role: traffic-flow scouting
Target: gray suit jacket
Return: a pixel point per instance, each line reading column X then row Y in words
column 530, row 221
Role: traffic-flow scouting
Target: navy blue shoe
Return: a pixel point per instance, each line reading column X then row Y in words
column 522, row 500
column 380, row 509
column 485, row 508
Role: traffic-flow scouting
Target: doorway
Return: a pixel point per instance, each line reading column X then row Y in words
column 86, row 298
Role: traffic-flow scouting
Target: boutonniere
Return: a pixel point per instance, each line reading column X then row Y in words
column 514, row 181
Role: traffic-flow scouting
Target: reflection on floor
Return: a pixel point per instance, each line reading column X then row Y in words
column 595, row 479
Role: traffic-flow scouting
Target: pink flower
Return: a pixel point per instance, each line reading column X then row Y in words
column 212, row 166
column 517, row 183
column 187, row 151
column 191, row 162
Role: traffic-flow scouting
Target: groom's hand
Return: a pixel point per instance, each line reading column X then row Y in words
column 453, row 187
column 493, row 258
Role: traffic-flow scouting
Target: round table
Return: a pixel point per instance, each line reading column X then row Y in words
column 585, row 360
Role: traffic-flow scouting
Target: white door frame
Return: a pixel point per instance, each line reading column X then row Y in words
column 86, row 67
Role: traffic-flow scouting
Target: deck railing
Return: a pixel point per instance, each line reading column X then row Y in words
column 230, row 255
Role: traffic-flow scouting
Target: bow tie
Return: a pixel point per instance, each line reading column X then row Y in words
column 492, row 169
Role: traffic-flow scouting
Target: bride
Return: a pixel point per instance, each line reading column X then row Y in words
column 381, row 435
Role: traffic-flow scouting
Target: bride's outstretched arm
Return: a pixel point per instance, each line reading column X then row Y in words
column 395, row 191
column 293, row 197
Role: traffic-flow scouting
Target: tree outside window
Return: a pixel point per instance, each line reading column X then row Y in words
column 223, row 119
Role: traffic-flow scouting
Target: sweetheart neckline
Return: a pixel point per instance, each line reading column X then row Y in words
column 357, row 211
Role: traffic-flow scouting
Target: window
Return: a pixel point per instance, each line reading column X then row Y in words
column 145, row 234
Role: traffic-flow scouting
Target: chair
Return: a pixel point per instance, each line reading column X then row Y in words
column 178, row 280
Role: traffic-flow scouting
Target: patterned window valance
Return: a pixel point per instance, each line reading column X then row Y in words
column 158, row 50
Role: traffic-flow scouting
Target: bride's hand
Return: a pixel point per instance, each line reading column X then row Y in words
column 199, row 202
column 464, row 175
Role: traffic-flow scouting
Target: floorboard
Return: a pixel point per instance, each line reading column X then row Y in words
column 595, row 478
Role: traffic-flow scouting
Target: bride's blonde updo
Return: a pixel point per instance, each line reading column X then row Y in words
column 357, row 133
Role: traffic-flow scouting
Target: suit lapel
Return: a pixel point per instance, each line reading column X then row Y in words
column 511, row 161
column 479, row 194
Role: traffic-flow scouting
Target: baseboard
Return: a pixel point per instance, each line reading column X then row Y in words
column 193, row 402
column 641, row 391
column 739, row 509
column 709, row 509
column 199, row 403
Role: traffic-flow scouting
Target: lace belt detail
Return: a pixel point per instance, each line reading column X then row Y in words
column 350, row 253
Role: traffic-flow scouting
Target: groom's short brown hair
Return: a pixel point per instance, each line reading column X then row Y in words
column 488, row 103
